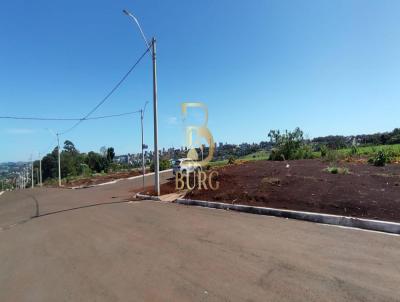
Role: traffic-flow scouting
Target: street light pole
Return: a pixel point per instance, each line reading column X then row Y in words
column 143, row 162
column 32, row 171
column 59, row 163
column 155, row 105
column 40, row 170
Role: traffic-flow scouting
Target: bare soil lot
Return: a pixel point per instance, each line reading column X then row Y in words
column 366, row 191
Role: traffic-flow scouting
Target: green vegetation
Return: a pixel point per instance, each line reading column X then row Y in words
column 380, row 159
column 218, row 163
column 75, row 165
column 337, row 170
column 164, row 165
column 259, row 155
column 289, row 145
column 324, row 150
column 231, row 160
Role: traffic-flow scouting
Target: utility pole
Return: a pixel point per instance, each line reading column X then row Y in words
column 143, row 146
column 155, row 106
column 143, row 164
column 59, row 163
column 40, row 170
column 32, row 185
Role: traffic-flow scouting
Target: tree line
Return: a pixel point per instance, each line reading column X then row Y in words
column 74, row 163
column 340, row 141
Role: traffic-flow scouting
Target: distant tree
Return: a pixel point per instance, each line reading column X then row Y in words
column 103, row 151
column 289, row 145
column 97, row 162
column 110, row 154
column 164, row 165
column 50, row 165
column 70, row 147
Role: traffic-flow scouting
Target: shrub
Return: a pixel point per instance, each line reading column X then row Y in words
column 332, row 156
column 353, row 150
column 164, row 165
column 324, row 150
column 231, row 160
column 276, row 155
column 304, row 152
column 380, row 159
column 289, row 145
column 337, row 170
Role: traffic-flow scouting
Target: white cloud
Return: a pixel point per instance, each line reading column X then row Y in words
column 19, row 131
column 172, row 120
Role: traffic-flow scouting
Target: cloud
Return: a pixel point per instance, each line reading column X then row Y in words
column 19, row 131
column 172, row 120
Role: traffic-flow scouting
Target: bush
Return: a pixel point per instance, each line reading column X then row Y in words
column 231, row 160
column 337, row 170
column 304, row 152
column 380, row 159
column 332, row 156
column 276, row 155
column 164, row 165
column 289, row 145
column 353, row 150
column 324, row 150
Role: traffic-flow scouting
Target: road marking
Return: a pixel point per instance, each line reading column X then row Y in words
column 148, row 174
column 358, row 229
column 1, row 193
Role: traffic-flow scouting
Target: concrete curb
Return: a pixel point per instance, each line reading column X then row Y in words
column 144, row 196
column 367, row 224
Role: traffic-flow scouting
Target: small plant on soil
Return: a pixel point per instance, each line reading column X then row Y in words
column 324, row 150
column 289, row 145
column 231, row 160
column 353, row 150
column 271, row 180
column 337, row 170
column 380, row 159
column 331, row 156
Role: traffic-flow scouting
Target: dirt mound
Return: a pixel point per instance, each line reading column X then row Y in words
column 362, row 191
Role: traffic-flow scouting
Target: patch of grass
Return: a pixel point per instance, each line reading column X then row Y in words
column 372, row 150
column 218, row 163
column 271, row 181
column 337, row 170
column 259, row 155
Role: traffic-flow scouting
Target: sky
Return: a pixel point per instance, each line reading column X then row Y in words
column 328, row 67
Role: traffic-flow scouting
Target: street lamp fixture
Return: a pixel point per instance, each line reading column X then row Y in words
column 152, row 48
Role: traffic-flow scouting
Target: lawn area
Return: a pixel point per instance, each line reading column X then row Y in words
column 259, row 155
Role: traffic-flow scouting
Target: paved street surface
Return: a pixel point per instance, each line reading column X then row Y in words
column 92, row 245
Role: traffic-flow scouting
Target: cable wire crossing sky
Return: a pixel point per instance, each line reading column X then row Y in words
column 328, row 67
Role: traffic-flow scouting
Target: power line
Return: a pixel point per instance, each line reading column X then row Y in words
column 67, row 119
column 108, row 95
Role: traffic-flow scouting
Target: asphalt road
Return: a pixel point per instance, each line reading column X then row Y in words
column 92, row 245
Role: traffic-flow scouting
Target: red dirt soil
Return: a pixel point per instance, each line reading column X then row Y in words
column 366, row 192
